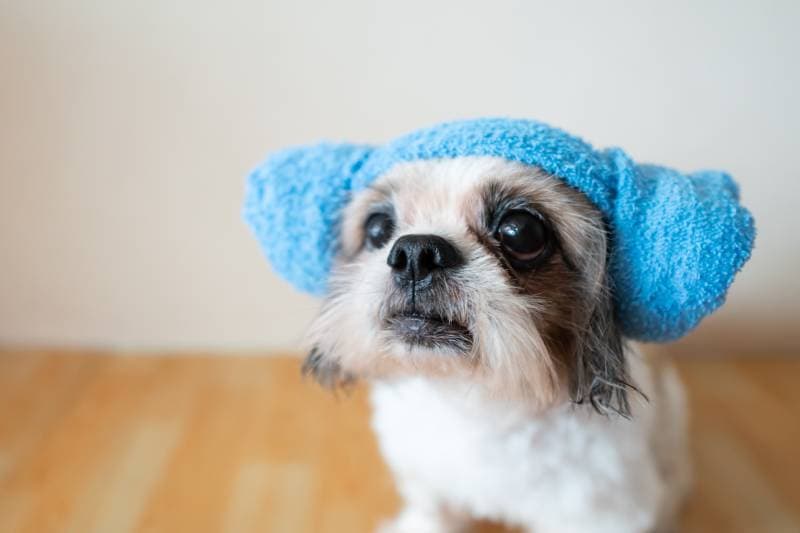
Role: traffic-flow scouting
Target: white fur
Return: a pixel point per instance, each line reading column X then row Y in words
column 457, row 453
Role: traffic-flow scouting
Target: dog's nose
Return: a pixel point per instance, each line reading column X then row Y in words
column 414, row 258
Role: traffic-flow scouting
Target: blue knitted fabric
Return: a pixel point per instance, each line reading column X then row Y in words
column 677, row 239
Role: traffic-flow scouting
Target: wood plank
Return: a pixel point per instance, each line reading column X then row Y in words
column 196, row 442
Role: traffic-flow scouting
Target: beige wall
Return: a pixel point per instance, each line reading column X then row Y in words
column 126, row 129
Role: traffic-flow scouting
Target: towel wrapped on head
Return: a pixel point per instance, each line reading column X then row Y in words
column 677, row 239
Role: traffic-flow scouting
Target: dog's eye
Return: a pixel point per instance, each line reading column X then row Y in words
column 378, row 228
column 524, row 236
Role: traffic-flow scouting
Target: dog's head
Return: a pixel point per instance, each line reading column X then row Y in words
column 476, row 267
column 503, row 251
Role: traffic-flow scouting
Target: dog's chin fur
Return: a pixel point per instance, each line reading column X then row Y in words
column 496, row 361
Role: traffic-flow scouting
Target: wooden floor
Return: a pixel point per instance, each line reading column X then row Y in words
column 114, row 444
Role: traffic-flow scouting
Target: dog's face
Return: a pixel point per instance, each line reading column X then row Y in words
column 478, row 268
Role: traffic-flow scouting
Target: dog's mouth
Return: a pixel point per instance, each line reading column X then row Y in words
column 429, row 331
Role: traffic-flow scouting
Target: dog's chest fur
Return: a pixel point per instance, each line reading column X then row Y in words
column 446, row 441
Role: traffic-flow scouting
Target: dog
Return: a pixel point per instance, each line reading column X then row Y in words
column 474, row 294
column 487, row 277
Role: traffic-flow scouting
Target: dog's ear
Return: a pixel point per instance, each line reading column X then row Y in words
column 600, row 374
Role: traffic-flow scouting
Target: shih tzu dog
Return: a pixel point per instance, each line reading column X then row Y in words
column 484, row 276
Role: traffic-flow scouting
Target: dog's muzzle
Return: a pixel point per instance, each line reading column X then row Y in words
column 418, row 304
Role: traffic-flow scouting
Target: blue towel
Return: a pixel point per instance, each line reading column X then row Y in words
column 678, row 239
